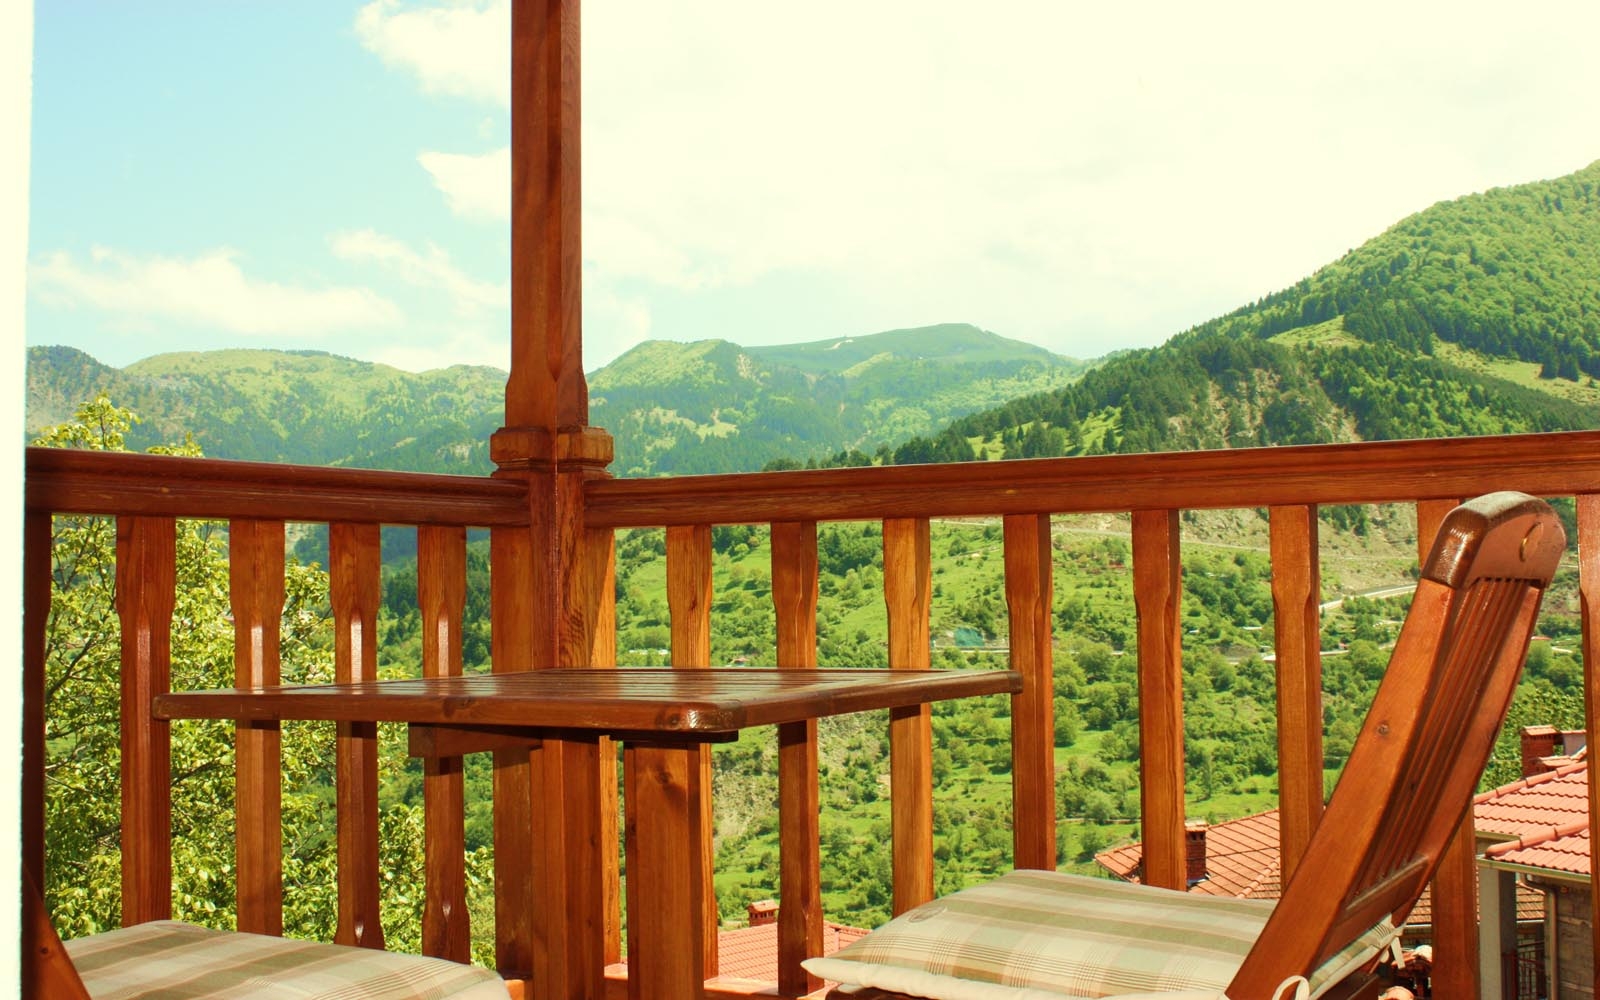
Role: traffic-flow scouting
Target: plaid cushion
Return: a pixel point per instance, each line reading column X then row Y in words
column 168, row 960
column 1031, row 935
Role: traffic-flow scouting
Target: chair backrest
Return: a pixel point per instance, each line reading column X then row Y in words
column 1411, row 775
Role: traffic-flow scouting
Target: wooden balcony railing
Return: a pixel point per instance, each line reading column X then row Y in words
column 147, row 493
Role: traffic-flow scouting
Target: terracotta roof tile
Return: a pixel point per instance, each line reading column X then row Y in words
column 1534, row 806
column 1241, row 859
column 752, row 952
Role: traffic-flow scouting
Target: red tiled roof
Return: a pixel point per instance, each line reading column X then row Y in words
column 752, row 952
column 1560, row 849
column 1530, row 906
column 1241, row 859
column 1536, row 805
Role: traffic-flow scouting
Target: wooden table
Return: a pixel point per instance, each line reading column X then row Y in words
column 663, row 717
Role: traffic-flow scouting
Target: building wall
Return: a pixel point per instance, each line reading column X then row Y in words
column 1574, row 943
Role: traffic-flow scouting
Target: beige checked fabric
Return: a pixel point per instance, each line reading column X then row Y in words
column 1042, row 934
column 168, row 960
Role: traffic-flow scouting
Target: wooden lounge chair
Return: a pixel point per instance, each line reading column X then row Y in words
column 1032, row 935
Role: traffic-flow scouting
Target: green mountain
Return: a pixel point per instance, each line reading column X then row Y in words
column 713, row 406
column 1476, row 316
column 275, row 406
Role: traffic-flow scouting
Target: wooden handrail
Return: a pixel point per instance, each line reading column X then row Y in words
column 1559, row 464
column 67, row 481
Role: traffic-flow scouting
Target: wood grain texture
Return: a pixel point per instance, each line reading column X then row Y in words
column 1561, row 464
column 64, row 480
column 146, row 577
column 255, row 594
column 546, row 387
column 605, row 654
column 1455, row 884
column 47, row 970
column 568, row 919
column 1157, row 595
column 1589, row 601
column 441, row 600
column 794, row 598
column 689, row 604
column 907, row 591
column 354, row 587
column 36, row 584
column 1029, row 592
column 665, row 878
column 511, row 650
column 1297, row 628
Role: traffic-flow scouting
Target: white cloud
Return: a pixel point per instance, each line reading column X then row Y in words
column 210, row 290
column 431, row 269
column 475, row 187
column 460, row 48
column 443, row 349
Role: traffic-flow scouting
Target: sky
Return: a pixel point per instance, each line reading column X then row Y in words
column 325, row 175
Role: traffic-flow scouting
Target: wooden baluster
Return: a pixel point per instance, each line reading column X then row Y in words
column 794, row 600
column 255, row 592
column 1297, row 627
column 1455, row 882
column 1029, row 593
column 1157, row 595
column 510, row 591
column 36, row 582
column 689, row 604
column 907, row 589
column 441, row 600
column 1589, row 601
column 354, row 570
column 146, row 578
column 605, row 655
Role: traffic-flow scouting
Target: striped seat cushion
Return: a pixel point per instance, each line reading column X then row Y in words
column 1034, row 935
column 168, row 960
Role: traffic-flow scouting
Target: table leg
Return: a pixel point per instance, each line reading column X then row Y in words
column 665, row 884
column 569, row 921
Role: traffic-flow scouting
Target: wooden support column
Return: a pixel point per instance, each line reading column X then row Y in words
column 1589, row 597
column 255, row 593
column 441, row 601
column 689, row 604
column 605, row 655
column 794, row 599
column 907, row 590
column 36, row 584
column 1157, row 595
column 1029, row 592
column 146, row 578
column 1455, row 883
column 355, row 584
column 1297, row 629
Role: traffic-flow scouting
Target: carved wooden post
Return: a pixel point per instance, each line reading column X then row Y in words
column 354, row 580
column 794, row 598
column 255, row 591
column 907, row 590
column 146, row 577
column 1455, row 882
column 550, row 806
column 1029, row 593
column 1157, row 594
column 1297, row 629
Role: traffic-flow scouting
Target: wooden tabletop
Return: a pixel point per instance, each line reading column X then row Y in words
column 686, row 703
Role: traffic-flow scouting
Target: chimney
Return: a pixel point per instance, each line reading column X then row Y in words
column 1194, row 842
column 1538, row 742
column 762, row 911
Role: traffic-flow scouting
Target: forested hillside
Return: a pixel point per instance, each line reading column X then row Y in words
column 713, row 406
